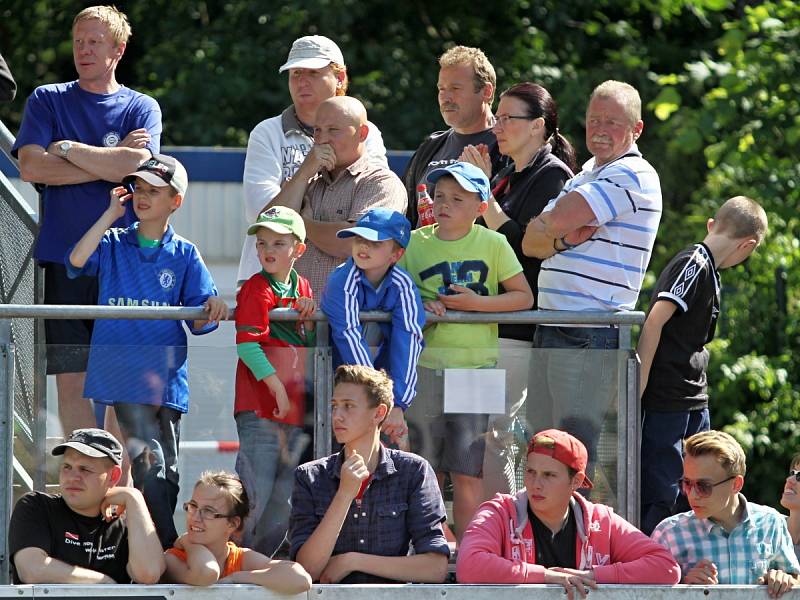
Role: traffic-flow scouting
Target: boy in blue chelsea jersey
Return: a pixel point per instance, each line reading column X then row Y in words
column 139, row 367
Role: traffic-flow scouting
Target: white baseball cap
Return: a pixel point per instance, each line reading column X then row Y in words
column 312, row 52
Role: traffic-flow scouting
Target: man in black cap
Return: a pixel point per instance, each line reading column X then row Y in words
column 93, row 532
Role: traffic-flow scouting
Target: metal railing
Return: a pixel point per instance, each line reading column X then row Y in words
column 627, row 417
column 414, row 591
column 21, row 282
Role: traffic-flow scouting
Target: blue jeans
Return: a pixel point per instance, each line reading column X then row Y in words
column 662, row 461
column 152, row 434
column 574, row 385
column 268, row 454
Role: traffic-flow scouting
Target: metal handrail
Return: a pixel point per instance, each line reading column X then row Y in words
column 538, row 317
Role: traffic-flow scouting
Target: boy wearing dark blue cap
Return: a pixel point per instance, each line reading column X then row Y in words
column 458, row 265
column 370, row 280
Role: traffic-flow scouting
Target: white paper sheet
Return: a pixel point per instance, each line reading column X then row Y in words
column 475, row 391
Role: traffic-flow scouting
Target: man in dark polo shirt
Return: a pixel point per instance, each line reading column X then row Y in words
column 93, row 532
column 466, row 87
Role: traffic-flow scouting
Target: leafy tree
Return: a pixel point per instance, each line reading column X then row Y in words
column 735, row 112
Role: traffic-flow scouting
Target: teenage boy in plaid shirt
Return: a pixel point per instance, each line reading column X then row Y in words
column 725, row 539
column 355, row 513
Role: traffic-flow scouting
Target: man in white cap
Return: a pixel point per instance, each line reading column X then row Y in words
column 278, row 145
column 93, row 531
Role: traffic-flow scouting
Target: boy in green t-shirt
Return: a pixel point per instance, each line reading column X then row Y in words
column 458, row 265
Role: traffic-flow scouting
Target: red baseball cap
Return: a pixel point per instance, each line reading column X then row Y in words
column 564, row 448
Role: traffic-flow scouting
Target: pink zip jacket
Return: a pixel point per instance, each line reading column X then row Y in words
column 498, row 546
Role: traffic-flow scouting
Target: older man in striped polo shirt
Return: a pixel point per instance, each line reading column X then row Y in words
column 596, row 238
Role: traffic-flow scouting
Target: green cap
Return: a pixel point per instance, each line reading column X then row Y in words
column 280, row 219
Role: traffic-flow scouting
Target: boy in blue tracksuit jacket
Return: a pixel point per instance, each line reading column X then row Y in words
column 370, row 280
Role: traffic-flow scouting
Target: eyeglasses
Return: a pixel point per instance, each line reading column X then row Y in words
column 206, row 513
column 795, row 474
column 703, row 488
column 502, row 120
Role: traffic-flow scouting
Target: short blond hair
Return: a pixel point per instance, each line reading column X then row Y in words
column 111, row 16
column 377, row 384
column 475, row 58
column 623, row 93
column 741, row 217
column 722, row 446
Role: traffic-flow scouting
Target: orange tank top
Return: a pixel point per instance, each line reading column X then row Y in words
column 233, row 563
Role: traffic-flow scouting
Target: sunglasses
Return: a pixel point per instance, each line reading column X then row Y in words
column 795, row 474
column 702, row 488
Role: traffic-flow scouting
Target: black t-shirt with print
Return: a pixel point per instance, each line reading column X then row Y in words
column 45, row 521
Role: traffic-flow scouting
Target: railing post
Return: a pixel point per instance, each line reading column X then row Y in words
column 323, row 387
column 632, row 434
column 39, row 425
column 6, row 442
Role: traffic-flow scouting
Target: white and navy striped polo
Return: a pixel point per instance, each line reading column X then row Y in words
column 605, row 273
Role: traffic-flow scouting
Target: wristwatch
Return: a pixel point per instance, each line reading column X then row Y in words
column 64, row 148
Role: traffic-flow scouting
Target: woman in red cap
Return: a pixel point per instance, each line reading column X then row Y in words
column 548, row 533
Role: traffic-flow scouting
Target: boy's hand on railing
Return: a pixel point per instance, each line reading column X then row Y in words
column 281, row 397
column 573, row 580
column 395, row 426
column 464, row 298
column 216, row 308
column 703, row 573
column 435, row 307
column 778, row 582
column 305, row 306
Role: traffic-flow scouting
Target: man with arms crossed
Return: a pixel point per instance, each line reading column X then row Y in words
column 595, row 238
column 93, row 532
column 79, row 139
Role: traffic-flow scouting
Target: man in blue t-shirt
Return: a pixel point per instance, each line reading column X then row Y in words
column 78, row 140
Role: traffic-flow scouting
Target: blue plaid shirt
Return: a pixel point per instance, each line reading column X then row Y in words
column 401, row 506
column 760, row 542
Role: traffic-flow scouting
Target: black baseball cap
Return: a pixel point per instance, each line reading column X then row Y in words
column 97, row 443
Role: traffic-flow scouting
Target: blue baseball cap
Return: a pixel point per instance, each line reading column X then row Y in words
column 469, row 177
column 380, row 224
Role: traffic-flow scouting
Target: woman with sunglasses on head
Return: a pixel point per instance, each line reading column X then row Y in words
column 790, row 500
column 205, row 554
column 526, row 128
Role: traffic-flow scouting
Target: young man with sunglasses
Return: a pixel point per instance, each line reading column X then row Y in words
column 549, row 533
column 725, row 539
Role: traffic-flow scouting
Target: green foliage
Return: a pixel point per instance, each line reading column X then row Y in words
column 738, row 116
